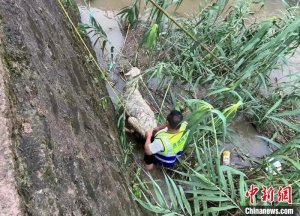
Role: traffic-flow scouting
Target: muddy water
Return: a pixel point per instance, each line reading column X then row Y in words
column 244, row 144
column 272, row 7
column 106, row 58
column 188, row 6
column 287, row 73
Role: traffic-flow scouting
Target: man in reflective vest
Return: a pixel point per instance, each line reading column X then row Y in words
column 169, row 141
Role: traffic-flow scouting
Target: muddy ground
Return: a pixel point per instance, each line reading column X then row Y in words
column 64, row 143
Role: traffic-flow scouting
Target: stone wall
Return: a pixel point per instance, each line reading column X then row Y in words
column 63, row 143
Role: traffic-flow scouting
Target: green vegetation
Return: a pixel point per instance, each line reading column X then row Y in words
column 203, row 186
column 69, row 4
column 96, row 30
column 126, row 146
column 130, row 14
column 230, row 53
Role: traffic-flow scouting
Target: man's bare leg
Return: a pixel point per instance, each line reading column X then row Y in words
column 149, row 166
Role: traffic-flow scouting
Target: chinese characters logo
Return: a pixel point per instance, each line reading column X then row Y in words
column 283, row 194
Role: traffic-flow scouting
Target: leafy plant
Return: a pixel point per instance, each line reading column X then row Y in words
column 150, row 38
column 95, row 28
column 104, row 102
column 126, row 146
column 157, row 15
column 204, row 186
column 130, row 14
column 70, row 3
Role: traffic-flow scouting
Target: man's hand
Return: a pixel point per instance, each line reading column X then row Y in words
column 148, row 134
column 158, row 128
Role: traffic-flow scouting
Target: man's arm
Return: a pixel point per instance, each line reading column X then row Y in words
column 154, row 147
column 148, row 136
column 158, row 128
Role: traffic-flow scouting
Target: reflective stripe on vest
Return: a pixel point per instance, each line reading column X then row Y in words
column 173, row 145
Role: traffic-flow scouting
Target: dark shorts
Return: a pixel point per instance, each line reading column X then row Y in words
column 150, row 159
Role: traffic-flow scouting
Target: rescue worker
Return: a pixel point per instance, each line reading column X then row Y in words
column 169, row 141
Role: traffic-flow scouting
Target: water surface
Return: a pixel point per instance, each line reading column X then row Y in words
column 272, row 7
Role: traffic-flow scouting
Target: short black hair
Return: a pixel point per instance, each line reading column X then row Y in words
column 174, row 119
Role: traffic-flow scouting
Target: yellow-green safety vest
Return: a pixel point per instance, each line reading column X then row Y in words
column 173, row 145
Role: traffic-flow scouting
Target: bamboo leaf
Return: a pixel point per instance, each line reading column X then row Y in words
column 274, row 107
column 196, row 202
column 204, row 192
column 231, row 169
column 150, row 207
column 171, row 193
column 218, row 209
column 288, row 113
column 158, row 192
column 218, row 91
column 293, row 162
column 177, row 193
column 287, row 123
column 242, row 191
column 197, row 184
column 270, row 141
column 213, row 198
column 231, row 185
column 185, row 201
column 222, row 118
column 170, row 214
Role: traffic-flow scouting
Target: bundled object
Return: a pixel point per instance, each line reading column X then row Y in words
column 274, row 167
column 226, row 158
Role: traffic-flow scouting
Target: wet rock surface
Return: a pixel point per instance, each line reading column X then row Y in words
column 9, row 199
column 64, row 142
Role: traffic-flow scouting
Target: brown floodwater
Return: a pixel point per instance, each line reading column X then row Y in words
column 272, row 7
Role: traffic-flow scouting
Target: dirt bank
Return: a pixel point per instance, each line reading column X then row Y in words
column 63, row 142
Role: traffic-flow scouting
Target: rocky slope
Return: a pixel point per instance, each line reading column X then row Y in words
column 63, row 144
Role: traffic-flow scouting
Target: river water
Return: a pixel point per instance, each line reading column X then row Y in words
column 244, row 141
column 272, row 7
column 188, row 7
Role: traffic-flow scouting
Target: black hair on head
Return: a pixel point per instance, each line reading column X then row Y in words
column 174, row 119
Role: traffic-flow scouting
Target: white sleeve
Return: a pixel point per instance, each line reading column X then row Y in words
column 156, row 146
